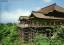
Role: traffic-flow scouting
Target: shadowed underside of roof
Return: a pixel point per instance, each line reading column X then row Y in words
column 55, row 14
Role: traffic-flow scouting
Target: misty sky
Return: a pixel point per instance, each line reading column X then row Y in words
column 10, row 10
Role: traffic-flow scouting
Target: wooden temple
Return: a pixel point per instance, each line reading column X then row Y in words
column 41, row 20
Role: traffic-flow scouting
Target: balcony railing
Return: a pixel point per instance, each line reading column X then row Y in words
column 33, row 25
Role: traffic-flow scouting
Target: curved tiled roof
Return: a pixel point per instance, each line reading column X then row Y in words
column 39, row 15
column 50, row 8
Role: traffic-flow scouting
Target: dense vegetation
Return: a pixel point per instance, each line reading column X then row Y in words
column 56, row 39
column 9, row 36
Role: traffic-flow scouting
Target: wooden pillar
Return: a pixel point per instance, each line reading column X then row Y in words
column 30, row 38
column 22, row 35
column 50, row 22
column 60, row 22
column 45, row 23
column 54, row 22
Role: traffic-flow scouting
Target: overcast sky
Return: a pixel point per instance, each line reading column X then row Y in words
column 10, row 10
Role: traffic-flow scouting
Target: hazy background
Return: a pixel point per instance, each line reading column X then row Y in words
column 10, row 10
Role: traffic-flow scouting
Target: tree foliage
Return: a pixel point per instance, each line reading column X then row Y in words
column 9, row 34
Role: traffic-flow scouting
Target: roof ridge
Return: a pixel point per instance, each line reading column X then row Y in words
column 53, row 4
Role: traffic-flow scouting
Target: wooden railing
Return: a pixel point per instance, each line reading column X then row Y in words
column 33, row 25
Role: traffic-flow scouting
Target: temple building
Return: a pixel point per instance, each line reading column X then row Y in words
column 45, row 18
